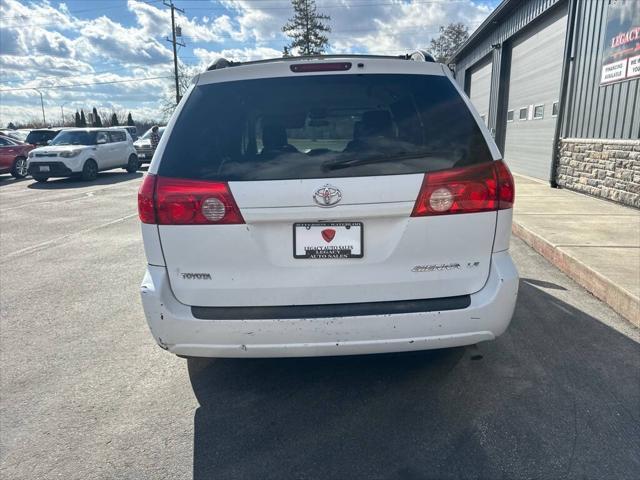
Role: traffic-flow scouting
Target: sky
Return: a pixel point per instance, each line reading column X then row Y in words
column 113, row 54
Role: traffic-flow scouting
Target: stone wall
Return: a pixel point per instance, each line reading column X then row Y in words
column 600, row 167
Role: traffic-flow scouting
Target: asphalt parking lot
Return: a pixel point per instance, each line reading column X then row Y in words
column 85, row 393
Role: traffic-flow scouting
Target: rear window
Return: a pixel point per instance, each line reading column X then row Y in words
column 36, row 137
column 118, row 136
column 322, row 126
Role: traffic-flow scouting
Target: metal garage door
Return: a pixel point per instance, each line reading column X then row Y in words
column 480, row 89
column 534, row 89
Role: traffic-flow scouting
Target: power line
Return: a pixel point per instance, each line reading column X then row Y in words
column 349, row 5
column 70, row 75
column 342, row 33
column 52, row 87
column 75, row 12
column 334, row 6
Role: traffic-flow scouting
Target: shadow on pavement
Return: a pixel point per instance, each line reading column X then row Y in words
column 542, row 283
column 556, row 396
column 104, row 178
column 9, row 180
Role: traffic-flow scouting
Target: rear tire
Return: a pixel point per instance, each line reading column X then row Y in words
column 133, row 164
column 19, row 168
column 89, row 170
column 40, row 178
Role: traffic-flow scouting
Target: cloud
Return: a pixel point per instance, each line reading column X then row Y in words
column 19, row 68
column 44, row 43
column 111, row 40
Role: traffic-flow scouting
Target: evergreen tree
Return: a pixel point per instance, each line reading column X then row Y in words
column 83, row 119
column 450, row 39
column 77, row 119
column 130, row 120
column 307, row 29
column 11, row 126
column 114, row 120
column 97, row 122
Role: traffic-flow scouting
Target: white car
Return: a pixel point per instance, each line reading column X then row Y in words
column 83, row 152
column 143, row 146
column 326, row 206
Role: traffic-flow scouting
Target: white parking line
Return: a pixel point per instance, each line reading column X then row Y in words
column 39, row 246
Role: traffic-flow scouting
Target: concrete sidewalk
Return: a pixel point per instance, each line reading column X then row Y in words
column 595, row 242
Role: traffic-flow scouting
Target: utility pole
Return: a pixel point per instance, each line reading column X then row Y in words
column 174, row 42
column 62, row 112
column 44, row 119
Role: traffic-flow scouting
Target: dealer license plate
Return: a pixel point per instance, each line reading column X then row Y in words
column 328, row 240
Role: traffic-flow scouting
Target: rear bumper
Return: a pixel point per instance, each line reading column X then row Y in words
column 176, row 329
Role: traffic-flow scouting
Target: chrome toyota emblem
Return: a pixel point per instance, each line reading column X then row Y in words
column 327, row 196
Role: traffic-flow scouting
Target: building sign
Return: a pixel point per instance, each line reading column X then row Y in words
column 621, row 58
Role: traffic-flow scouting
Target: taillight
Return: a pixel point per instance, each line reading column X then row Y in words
column 178, row 201
column 506, row 186
column 478, row 188
column 146, row 206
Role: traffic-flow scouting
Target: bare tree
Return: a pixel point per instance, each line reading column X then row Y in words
column 168, row 100
column 451, row 38
column 307, row 29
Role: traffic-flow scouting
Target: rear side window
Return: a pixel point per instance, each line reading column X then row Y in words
column 118, row 137
column 322, row 127
column 40, row 136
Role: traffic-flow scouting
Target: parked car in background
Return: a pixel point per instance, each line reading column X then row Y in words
column 41, row 136
column 143, row 146
column 83, row 152
column 20, row 135
column 326, row 206
column 13, row 156
column 131, row 130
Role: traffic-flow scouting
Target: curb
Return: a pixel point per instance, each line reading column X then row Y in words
column 619, row 299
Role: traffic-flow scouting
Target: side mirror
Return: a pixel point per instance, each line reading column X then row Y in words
column 48, row 142
column 102, row 141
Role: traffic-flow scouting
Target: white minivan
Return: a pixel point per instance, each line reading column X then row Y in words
column 83, row 152
column 326, row 206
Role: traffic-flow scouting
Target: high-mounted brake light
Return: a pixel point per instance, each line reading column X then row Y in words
column 177, row 201
column 320, row 67
column 478, row 188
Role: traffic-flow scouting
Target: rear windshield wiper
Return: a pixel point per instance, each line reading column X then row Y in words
column 350, row 162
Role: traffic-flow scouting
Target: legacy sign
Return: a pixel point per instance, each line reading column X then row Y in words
column 621, row 56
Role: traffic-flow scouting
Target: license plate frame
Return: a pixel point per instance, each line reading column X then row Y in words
column 341, row 254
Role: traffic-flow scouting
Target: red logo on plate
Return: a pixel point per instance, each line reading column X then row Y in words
column 328, row 234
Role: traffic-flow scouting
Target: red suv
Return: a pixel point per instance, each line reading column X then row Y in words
column 13, row 156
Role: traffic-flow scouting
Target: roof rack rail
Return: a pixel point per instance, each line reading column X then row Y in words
column 418, row 56
column 421, row 56
column 222, row 63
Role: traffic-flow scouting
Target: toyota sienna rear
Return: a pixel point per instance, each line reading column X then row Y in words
column 326, row 206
